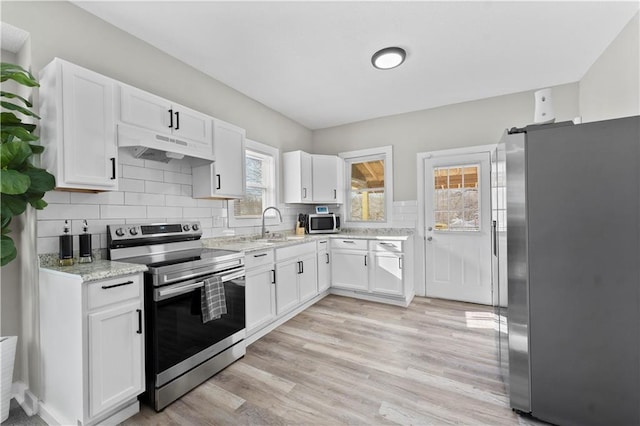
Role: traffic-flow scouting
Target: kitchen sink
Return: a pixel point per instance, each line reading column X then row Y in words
column 281, row 238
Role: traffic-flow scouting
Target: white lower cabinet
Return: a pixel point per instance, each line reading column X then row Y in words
column 296, row 275
column 373, row 268
column 260, row 290
column 92, row 347
column 324, row 266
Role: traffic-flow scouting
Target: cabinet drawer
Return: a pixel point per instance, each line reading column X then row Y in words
column 386, row 246
column 106, row 292
column 258, row 258
column 348, row 243
column 295, row 250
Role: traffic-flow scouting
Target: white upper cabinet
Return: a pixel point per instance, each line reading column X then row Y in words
column 78, row 127
column 188, row 128
column 296, row 167
column 225, row 178
column 313, row 179
column 327, row 179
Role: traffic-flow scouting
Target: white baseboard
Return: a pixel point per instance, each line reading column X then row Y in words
column 27, row 400
column 390, row 300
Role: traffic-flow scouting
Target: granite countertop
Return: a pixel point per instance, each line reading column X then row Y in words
column 250, row 244
column 97, row 270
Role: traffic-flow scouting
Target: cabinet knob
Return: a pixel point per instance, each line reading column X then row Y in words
column 429, row 238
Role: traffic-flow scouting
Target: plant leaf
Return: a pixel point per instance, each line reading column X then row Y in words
column 14, row 96
column 13, row 182
column 14, row 154
column 17, row 132
column 41, row 180
column 36, row 149
column 8, row 250
column 14, row 107
column 12, row 205
column 6, row 221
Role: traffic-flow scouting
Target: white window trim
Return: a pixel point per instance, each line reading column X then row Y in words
column 362, row 155
column 271, row 218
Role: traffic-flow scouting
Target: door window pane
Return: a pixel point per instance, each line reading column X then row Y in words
column 456, row 198
column 367, row 191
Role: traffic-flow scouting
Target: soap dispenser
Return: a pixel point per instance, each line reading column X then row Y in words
column 65, row 254
column 85, row 244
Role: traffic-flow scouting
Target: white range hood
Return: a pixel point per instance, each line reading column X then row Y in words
column 149, row 145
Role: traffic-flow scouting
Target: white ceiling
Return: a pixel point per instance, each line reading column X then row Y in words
column 311, row 60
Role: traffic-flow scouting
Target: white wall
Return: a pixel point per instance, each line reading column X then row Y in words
column 611, row 86
column 479, row 122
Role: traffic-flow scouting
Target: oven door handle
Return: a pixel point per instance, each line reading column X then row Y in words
column 164, row 293
column 232, row 276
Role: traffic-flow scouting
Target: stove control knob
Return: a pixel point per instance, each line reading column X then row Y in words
column 195, row 227
column 119, row 232
column 133, row 231
column 186, row 227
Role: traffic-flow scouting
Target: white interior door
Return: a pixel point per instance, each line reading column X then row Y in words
column 458, row 227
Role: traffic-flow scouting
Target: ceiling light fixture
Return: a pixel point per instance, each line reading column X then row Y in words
column 389, row 57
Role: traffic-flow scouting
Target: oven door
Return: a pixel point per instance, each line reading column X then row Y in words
column 180, row 340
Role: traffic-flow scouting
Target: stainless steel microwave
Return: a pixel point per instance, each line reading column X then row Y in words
column 323, row 223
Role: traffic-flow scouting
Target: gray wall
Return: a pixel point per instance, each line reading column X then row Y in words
column 453, row 126
column 611, row 87
column 66, row 31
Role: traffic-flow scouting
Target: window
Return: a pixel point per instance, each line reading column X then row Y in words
column 261, row 163
column 456, row 192
column 368, row 174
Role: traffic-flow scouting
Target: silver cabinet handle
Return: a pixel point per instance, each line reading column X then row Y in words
column 399, row 263
column 304, row 192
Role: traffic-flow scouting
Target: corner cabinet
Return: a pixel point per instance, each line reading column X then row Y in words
column 225, row 177
column 312, row 179
column 92, row 347
column 296, row 275
column 78, row 128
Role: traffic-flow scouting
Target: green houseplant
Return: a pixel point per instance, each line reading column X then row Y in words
column 21, row 183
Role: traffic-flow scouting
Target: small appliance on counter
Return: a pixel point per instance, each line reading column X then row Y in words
column 322, row 222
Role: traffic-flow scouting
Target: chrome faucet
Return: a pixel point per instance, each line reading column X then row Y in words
column 264, row 230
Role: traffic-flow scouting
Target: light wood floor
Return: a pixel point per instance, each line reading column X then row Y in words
column 347, row 361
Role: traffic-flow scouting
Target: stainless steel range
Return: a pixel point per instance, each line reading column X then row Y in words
column 182, row 351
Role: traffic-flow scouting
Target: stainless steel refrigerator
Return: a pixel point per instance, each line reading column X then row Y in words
column 573, row 271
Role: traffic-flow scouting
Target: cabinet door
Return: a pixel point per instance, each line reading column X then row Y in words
column 228, row 147
column 90, row 152
column 143, row 109
column 260, row 298
column 308, row 277
column 116, row 357
column 286, row 285
column 325, row 178
column 195, row 126
column 323, row 270
column 387, row 274
column 349, row 269
column 297, row 176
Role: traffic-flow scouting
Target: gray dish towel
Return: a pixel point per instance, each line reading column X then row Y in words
column 213, row 301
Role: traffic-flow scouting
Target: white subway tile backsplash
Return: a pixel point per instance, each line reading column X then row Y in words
column 211, row 203
column 48, row 245
column 69, row 211
column 164, row 212
column 57, row 197
column 180, row 201
column 185, row 190
column 142, row 199
column 107, row 197
column 173, row 165
column 197, row 212
column 130, row 185
column 134, row 172
column 162, row 188
column 122, row 212
column 173, row 177
column 50, row 228
column 125, row 157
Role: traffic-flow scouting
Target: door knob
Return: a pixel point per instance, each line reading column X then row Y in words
column 429, row 238
column 429, row 229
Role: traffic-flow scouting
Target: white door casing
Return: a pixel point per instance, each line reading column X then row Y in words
column 458, row 262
